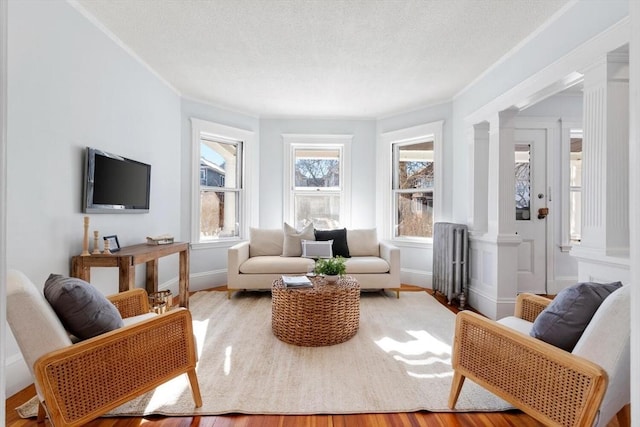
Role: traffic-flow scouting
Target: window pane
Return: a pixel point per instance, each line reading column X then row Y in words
column 575, row 183
column 575, row 168
column 415, row 166
column 414, row 214
column 218, row 214
column 321, row 209
column 523, row 181
column 218, row 162
column 317, row 168
column 575, row 219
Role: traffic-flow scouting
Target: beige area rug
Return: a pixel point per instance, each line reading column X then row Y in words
column 399, row 361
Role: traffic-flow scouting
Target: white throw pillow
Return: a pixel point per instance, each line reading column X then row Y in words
column 292, row 244
column 317, row 249
column 363, row 242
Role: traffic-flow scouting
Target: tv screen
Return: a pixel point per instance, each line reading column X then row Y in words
column 115, row 184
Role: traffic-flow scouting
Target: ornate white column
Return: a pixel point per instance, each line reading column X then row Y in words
column 478, row 139
column 501, row 200
column 494, row 254
column 604, row 248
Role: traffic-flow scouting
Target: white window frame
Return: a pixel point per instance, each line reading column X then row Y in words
column 248, row 214
column 426, row 132
column 297, row 141
column 565, row 228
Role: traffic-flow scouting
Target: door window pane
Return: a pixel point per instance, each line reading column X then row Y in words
column 523, row 182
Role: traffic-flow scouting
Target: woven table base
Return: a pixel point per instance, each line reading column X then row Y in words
column 326, row 314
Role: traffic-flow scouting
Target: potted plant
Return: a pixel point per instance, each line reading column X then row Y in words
column 331, row 268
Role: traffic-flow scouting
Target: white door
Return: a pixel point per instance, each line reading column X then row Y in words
column 531, row 196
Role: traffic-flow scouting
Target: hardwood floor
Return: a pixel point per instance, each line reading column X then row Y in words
column 413, row 419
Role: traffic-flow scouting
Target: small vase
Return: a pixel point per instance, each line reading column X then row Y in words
column 331, row 278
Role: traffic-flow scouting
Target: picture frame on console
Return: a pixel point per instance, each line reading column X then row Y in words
column 114, row 245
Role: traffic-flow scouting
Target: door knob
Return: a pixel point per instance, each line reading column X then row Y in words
column 542, row 213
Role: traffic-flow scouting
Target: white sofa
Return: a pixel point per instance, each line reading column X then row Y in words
column 255, row 264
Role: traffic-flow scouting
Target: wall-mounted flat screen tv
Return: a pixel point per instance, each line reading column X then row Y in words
column 115, row 184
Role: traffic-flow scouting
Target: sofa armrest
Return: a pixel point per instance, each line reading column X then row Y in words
column 391, row 254
column 236, row 255
column 529, row 306
column 83, row 381
column 526, row 372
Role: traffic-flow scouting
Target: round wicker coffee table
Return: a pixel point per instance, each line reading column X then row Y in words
column 326, row 314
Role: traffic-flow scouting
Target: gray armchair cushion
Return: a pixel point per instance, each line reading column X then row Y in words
column 563, row 321
column 81, row 308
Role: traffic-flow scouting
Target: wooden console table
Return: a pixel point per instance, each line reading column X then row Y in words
column 128, row 257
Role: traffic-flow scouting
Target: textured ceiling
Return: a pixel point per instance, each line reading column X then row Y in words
column 323, row 58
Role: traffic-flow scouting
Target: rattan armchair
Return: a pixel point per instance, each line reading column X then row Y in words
column 556, row 387
column 80, row 382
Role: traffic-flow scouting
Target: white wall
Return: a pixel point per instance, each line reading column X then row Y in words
column 3, row 191
column 71, row 86
column 634, row 204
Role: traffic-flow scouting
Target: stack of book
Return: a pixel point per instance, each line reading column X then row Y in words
column 296, row 282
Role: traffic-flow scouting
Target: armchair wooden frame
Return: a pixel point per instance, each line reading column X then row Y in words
column 553, row 386
column 84, row 381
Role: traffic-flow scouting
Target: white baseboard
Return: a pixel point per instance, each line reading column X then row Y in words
column 489, row 306
column 207, row 280
column 416, row 277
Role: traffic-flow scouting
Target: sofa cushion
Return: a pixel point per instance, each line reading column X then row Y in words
column 363, row 242
column 339, row 237
column 265, row 242
column 276, row 265
column 366, row 265
column 565, row 318
column 81, row 308
column 292, row 244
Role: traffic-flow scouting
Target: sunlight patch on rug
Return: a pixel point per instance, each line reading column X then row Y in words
column 399, row 361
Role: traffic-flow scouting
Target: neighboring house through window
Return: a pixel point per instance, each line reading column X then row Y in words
column 316, row 187
column 218, row 190
column 412, row 200
column 413, row 188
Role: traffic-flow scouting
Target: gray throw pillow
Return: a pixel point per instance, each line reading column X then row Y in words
column 566, row 317
column 81, row 308
column 292, row 244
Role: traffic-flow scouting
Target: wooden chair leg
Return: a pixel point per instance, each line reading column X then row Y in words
column 456, row 386
column 624, row 416
column 195, row 387
column 41, row 413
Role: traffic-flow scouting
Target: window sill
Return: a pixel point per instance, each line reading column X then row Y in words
column 415, row 242
column 215, row 244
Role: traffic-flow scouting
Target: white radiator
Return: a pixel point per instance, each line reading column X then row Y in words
column 450, row 261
